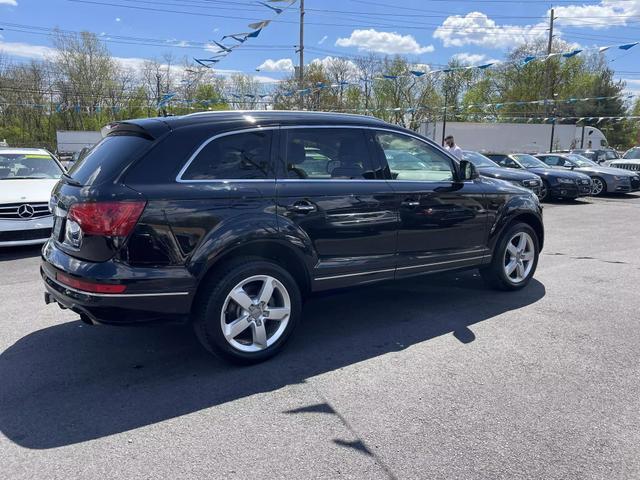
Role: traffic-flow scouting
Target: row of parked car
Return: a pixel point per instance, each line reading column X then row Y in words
column 558, row 174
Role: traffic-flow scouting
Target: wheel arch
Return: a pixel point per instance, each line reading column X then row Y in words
column 530, row 219
column 266, row 249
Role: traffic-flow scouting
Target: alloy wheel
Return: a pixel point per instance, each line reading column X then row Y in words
column 519, row 257
column 543, row 192
column 598, row 186
column 255, row 313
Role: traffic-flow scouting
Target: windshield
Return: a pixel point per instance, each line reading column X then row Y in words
column 581, row 161
column 529, row 161
column 634, row 153
column 14, row 166
column 478, row 160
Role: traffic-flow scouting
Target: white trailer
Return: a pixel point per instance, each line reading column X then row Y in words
column 72, row 141
column 515, row 137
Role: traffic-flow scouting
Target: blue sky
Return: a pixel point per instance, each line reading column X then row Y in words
column 428, row 32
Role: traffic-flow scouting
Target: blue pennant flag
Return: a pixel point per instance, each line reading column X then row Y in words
column 223, row 48
column 417, row 73
column 390, row 77
column 275, row 9
column 238, row 37
column 486, row 65
column 206, row 61
column 627, row 46
column 571, row 54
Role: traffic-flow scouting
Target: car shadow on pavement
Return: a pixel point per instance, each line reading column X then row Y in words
column 72, row 382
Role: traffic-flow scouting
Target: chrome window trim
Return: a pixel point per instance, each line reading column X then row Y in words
column 211, row 139
column 179, row 178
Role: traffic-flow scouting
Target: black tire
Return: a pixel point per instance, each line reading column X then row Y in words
column 603, row 183
column 211, row 297
column 545, row 192
column 494, row 273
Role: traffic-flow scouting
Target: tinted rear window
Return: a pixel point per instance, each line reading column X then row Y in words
column 107, row 158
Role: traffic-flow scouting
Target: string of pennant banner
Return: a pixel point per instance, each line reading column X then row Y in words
column 425, row 73
column 240, row 38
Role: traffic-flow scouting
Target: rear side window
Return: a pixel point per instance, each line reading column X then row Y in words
column 236, row 156
column 327, row 153
column 108, row 158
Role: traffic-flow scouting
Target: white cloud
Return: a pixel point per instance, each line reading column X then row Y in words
column 605, row 14
column 469, row 58
column 13, row 3
column 42, row 52
column 476, row 28
column 282, row 65
column 473, row 58
column 118, row 19
column 26, row 50
column 383, row 42
column 322, row 40
column 329, row 62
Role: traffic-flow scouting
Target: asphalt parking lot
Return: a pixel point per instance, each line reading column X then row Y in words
column 435, row 378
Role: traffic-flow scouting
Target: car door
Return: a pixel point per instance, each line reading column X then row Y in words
column 332, row 198
column 442, row 221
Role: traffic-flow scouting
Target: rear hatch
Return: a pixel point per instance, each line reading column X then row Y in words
column 94, row 212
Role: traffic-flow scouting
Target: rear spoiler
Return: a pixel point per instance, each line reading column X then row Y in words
column 149, row 128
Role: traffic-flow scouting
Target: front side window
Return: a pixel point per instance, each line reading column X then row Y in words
column 411, row 159
column 238, row 156
column 553, row 160
column 15, row 166
column 327, row 153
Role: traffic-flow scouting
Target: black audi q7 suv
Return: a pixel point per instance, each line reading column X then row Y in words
column 228, row 220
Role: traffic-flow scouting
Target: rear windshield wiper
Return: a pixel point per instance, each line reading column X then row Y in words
column 70, row 180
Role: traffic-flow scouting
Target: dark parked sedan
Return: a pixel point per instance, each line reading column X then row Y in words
column 488, row 168
column 605, row 179
column 556, row 183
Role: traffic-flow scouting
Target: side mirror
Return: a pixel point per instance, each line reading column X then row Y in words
column 468, row 170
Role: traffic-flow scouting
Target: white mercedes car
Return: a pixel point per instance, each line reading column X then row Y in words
column 27, row 176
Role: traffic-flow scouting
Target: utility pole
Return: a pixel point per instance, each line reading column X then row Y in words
column 550, row 81
column 446, row 101
column 158, row 92
column 301, row 52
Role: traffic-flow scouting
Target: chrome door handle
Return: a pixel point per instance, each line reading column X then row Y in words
column 303, row 206
column 410, row 203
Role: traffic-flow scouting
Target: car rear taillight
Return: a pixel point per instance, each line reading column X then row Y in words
column 110, row 219
column 89, row 286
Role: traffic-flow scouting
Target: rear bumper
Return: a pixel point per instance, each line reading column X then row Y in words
column 165, row 295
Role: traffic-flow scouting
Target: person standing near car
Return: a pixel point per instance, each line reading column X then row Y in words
column 451, row 146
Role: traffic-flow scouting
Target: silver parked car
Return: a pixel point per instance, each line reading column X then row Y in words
column 605, row 179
